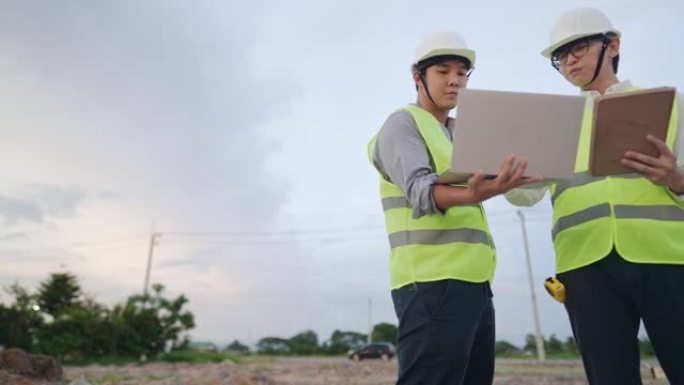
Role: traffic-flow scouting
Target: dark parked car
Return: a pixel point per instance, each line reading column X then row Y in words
column 384, row 350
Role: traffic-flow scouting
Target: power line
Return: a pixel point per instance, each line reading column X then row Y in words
column 274, row 237
column 330, row 239
column 285, row 235
column 108, row 241
column 271, row 233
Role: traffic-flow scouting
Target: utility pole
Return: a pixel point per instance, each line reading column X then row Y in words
column 154, row 237
column 370, row 322
column 541, row 353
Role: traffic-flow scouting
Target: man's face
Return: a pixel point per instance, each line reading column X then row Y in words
column 577, row 62
column 444, row 80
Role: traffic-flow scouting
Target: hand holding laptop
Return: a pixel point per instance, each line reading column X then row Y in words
column 509, row 176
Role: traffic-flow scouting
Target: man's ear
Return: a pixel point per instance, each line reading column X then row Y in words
column 416, row 78
column 614, row 47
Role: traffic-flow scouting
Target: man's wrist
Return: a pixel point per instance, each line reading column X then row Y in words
column 677, row 186
column 676, row 191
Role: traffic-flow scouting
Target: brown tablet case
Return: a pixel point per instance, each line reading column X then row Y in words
column 621, row 122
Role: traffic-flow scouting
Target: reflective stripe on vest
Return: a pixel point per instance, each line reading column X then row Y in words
column 456, row 244
column 591, row 215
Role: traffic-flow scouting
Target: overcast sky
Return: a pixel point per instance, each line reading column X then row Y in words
column 238, row 131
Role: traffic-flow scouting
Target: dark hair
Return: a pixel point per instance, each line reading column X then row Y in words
column 422, row 65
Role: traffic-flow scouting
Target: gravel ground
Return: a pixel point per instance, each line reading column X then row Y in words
column 316, row 371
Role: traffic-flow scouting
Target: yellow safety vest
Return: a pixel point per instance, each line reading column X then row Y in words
column 456, row 244
column 591, row 215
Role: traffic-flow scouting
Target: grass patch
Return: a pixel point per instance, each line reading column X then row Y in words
column 188, row 356
column 114, row 361
column 194, row 357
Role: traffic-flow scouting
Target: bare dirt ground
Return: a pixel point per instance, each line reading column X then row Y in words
column 317, row 371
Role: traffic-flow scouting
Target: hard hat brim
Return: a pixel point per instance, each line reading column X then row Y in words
column 463, row 52
column 548, row 51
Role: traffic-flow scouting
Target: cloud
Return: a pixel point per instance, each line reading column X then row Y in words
column 14, row 236
column 148, row 98
column 40, row 203
column 59, row 201
column 14, row 210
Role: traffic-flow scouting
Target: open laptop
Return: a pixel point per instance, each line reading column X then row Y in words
column 490, row 125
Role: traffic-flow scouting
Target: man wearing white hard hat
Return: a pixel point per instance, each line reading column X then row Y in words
column 442, row 256
column 619, row 240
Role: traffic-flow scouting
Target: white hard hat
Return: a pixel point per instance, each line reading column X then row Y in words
column 576, row 24
column 442, row 43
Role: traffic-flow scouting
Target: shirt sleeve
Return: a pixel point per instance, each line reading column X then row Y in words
column 678, row 148
column 402, row 157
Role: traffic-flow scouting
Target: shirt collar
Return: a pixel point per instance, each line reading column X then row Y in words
column 622, row 86
column 449, row 123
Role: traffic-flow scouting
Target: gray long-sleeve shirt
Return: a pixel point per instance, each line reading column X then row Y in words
column 402, row 157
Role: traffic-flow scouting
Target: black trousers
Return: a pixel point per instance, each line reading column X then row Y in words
column 606, row 301
column 446, row 333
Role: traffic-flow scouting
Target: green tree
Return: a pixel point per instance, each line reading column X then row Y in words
column 80, row 332
column 530, row 344
column 304, row 343
column 384, row 332
column 58, row 294
column 553, row 345
column 570, row 346
column 342, row 341
column 23, row 300
column 645, row 347
column 80, row 328
column 19, row 321
column 273, row 345
column 174, row 319
column 505, row 348
column 137, row 328
column 147, row 324
column 237, row 348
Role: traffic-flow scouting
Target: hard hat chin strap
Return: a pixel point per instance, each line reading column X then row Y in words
column 600, row 60
column 427, row 89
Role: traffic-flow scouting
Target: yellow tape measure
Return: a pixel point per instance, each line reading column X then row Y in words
column 555, row 288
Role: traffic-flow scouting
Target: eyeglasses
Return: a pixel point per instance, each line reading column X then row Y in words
column 578, row 49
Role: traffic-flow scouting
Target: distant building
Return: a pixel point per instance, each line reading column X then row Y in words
column 202, row 346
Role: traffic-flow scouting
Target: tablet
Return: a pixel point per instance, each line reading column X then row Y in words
column 621, row 122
